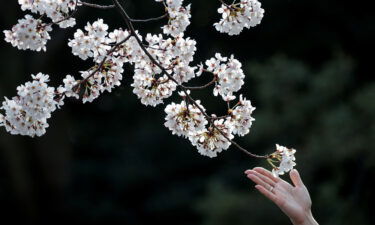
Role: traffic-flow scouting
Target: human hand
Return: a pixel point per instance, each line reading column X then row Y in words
column 294, row 200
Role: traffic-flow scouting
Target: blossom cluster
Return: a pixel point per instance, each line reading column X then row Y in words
column 33, row 34
column 240, row 118
column 214, row 139
column 229, row 74
column 209, row 138
column 162, row 64
column 189, row 121
column 185, row 120
column 179, row 17
column 91, row 44
column 237, row 16
column 29, row 33
column 105, row 79
column 27, row 113
column 95, row 80
column 56, row 10
column 151, row 84
column 286, row 158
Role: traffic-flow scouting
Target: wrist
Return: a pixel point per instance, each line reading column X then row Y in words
column 308, row 219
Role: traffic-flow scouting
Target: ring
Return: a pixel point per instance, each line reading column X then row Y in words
column 271, row 189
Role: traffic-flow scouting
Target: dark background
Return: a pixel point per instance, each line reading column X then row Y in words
column 309, row 72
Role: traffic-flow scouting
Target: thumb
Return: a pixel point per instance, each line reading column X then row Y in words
column 295, row 177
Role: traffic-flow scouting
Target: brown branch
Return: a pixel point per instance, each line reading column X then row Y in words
column 97, row 6
column 201, row 87
column 149, row 19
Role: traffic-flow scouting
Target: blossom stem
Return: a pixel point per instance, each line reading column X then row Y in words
column 203, row 86
column 149, row 19
column 97, row 6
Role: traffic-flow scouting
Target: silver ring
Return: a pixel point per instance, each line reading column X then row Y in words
column 271, row 189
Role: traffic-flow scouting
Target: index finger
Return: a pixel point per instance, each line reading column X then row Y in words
column 267, row 174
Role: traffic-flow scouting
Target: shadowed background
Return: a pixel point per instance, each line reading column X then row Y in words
column 309, row 73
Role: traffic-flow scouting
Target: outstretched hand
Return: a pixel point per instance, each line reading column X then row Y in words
column 294, row 200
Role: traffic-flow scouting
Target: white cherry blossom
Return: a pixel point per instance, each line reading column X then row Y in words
column 229, row 74
column 237, row 16
column 179, row 18
column 185, row 121
column 286, row 158
column 151, row 90
column 240, row 118
column 161, row 63
column 56, row 10
column 211, row 141
column 105, row 79
column 27, row 113
column 69, row 86
column 93, row 43
column 29, row 33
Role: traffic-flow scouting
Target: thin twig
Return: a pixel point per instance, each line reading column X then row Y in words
column 149, row 19
column 97, row 6
column 203, row 86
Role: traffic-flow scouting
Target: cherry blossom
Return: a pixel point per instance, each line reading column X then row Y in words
column 286, row 158
column 237, row 16
column 29, row 33
column 229, row 73
column 240, row 118
column 162, row 63
column 69, row 84
column 27, row 113
column 104, row 79
column 179, row 18
column 57, row 11
column 212, row 140
column 185, row 121
column 91, row 44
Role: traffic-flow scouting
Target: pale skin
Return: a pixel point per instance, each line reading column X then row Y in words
column 293, row 199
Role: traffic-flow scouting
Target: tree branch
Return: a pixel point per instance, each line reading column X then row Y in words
column 150, row 19
column 97, row 6
column 203, row 86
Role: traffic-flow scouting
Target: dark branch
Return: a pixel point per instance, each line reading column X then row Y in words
column 97, row 6
column 150, row 19
column 203, row 86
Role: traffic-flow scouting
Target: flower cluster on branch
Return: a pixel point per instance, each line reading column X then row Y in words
column 237, row 16
column 27, row 113
column 285, row 156
column 163, row 63
column 33, row 34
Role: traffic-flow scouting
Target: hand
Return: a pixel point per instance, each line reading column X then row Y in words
column 294, row 201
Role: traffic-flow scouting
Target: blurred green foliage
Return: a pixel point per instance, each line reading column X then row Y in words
column 112, row 162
